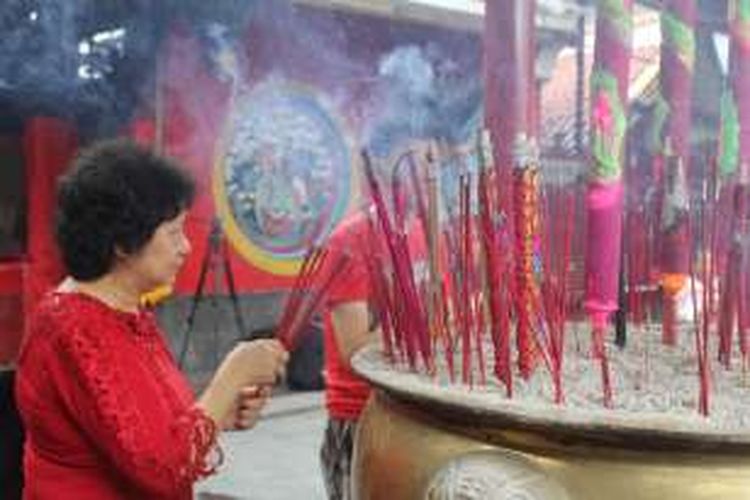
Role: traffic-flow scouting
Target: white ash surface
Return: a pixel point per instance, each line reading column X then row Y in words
column 653, row 385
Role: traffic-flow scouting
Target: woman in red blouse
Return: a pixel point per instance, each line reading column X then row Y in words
column 108, row 414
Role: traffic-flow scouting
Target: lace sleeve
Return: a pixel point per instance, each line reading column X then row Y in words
column 201, row 433
column 122, row 410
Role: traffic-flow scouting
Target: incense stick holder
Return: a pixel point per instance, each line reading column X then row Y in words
column 422, row 441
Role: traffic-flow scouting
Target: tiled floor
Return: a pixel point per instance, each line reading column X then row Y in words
column 278, row 459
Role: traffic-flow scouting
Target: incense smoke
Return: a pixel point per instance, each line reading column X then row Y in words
column 424, row 95
column 96, row 65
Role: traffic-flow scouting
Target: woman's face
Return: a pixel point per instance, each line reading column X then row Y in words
column 159, row 261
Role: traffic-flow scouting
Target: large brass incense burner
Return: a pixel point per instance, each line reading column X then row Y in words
column 422, row 440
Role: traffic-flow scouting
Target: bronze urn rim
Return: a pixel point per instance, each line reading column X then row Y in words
column 474, row 414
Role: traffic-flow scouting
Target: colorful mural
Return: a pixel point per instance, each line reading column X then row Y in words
column 285, row 178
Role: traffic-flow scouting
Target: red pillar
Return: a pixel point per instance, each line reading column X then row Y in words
column 510, row 107
column 604, row 194
column 735, row 310
column 676, row 78
column 49, row 145
column 509, row 54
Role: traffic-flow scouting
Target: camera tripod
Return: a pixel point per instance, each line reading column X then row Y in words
column 216, row 262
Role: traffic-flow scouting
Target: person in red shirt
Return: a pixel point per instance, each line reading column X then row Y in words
column 349, row 324
column 107, row 413
column 347, row 328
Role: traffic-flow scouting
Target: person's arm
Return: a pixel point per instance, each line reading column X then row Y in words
column 349, row 293
column 114, row 405
column 351, row 328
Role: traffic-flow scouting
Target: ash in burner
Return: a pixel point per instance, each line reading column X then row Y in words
column 653, row 385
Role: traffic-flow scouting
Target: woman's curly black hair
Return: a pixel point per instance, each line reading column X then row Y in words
column 114, row 197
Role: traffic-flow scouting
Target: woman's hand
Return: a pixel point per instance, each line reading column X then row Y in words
column 250, row 402
column 262, row 362
column 255, row 363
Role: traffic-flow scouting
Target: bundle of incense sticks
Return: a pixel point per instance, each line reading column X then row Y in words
column 385, row 309
column 526, row 215
column 475, row 277
column 495, row 272
column 425, row 191
column 701, row 320
column 462, row 297
column 406, row 293
column 559, row 203
column 438, row 311
column 472, row 282
column 466, row 258
column 315, row 277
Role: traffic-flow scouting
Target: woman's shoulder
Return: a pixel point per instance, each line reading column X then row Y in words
column 56, row 320
column 64, row 312
column 63, row 306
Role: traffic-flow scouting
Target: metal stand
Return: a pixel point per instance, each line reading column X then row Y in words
column 215, row 260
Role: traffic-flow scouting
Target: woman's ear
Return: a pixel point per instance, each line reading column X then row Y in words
column 120, row 254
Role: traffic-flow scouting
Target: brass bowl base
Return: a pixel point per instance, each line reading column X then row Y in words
column 409, row 449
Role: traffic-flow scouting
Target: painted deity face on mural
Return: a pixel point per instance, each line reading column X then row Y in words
column 282, row 207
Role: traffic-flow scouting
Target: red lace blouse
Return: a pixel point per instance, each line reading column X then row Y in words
column 107, row 413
